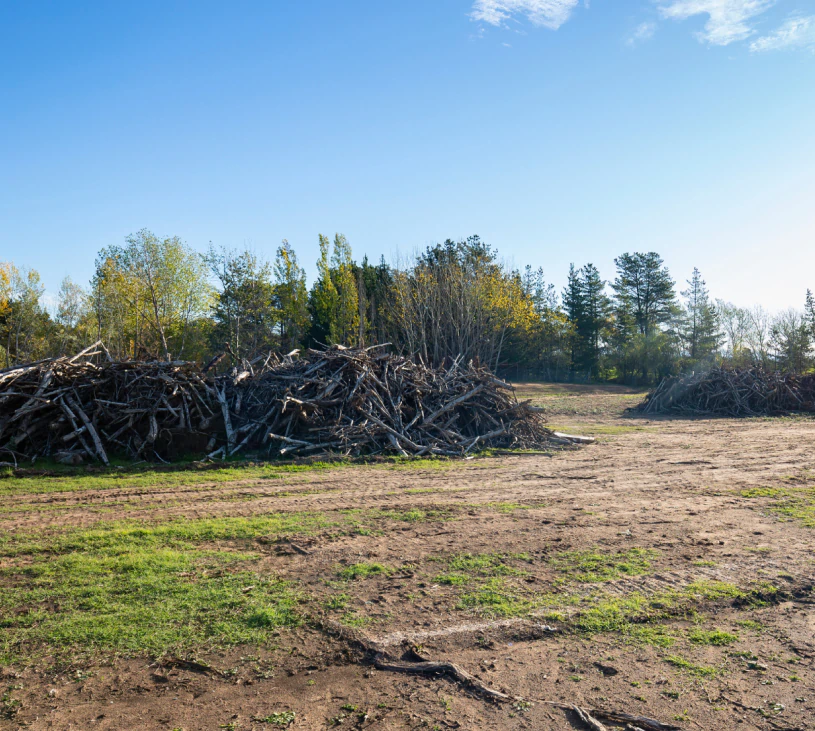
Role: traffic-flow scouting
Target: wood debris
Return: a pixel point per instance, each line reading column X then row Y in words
column 338, row 402
column 732, row 392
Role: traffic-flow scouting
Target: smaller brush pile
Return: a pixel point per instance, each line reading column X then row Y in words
column 732, row 392
column 335, row 402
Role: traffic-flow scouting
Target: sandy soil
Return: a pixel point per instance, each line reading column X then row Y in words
column 674, row 486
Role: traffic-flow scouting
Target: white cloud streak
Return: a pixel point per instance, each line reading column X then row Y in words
column 643, row 32
column 728, row 20
column 547, row 13
column 797, row 32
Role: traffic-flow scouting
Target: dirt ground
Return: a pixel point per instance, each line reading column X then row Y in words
column 665, row 571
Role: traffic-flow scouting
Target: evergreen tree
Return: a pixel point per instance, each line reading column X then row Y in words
column 644, row 308
column 574, row 307
column 809, row 312
column 700, row 329
column 596, row 307
column 645, row 289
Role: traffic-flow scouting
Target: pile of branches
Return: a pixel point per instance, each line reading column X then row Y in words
column 341, row 402
column 732, row 392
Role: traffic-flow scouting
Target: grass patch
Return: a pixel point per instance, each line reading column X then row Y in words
column 336, row 602
column 700, row 671
column 496, row 599
column 413, row 515
column 151, row 601
column 486, row 564
column 795, row 501
column 364, row 570
column 136, row 588
column 65, row 479
column 595, row 567
column 716, row 637
column 452, row 579
column 282, row 719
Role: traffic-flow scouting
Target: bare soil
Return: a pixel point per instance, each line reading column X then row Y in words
column 674, row 488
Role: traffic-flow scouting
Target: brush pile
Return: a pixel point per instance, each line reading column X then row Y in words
column 338, row 402
column 732, row 392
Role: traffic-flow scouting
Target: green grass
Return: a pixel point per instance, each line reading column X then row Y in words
column 150, row 600
column 364, row 570
column 282, row 718
column 701, row 671
column 495, row 598
column 716, row 637
column 73, row 479
column 486, row 564
column 795, row 501
column 594, row 566
column 177, row 533
column 136, row 588
column 414, row 515
column 452, row 579
column 59, row 478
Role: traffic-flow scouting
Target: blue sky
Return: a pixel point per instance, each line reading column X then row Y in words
column 559, row 130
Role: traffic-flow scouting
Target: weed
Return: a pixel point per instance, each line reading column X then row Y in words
column 282, row 718
column 702, row 671
column 594, row 566
column 452, row 579
column 364, row 570
column 495, row 599
column 713, row 637
column 336, row 602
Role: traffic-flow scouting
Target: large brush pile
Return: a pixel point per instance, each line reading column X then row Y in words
column 338, row 401
column 732, row 392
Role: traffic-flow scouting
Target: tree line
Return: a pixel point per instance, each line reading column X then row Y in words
column 157, row 298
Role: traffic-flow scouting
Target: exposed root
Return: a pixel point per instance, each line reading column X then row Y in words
column 382, row 660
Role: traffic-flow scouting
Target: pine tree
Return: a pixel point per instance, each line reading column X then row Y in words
column 574, row 307
column 596, row 316
column 645, row 289
column 809, row 312
column 700, row 328
column 645, row 305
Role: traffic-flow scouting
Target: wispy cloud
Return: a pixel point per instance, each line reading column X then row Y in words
column 797, row 32
column 547, row 13
column 643, row 32
column 728, row 20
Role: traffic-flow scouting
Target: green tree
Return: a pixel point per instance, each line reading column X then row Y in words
column 244, row 310
column 700, row 328
column 644, row 289
column 809, row 312
column 323, row 297
column 291, row 297
column 645, row 307
column 573, row 306
column 374, row 285
column 152, row 294
column 73, row 317
column 25, row 326
column 596, row 318
column 345, row 323
column 791, row 341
